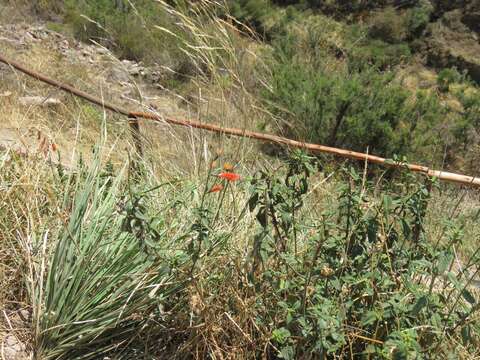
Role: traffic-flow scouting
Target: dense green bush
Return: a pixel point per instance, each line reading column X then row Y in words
column 447, row 77
column 418, row 18
column 378, row 54
column 332, row 84
column 356, row 110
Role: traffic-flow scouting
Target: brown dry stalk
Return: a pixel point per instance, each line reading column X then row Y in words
column 133, row 115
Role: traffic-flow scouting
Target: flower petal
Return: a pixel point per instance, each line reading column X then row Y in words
column 216, row 188
column 229, row 176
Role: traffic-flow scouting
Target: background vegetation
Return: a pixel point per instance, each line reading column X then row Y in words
column 294, row 258
column 331, row 67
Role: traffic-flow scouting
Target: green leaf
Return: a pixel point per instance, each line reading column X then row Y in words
column 466, row 334
column 287, row 353
column 467, row 295
column 443, row 262
column 420, row 304
column 369, row 318
column 281, row 335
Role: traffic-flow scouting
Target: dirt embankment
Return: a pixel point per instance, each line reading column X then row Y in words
column 30, row 109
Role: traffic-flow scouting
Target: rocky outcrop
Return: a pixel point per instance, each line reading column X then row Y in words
column 23, row 36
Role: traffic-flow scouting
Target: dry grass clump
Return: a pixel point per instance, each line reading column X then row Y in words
column 30, row 197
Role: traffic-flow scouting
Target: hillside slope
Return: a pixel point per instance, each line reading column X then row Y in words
column 210, row 247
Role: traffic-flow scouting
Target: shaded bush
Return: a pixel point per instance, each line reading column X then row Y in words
column 447, row 77
column 418, row 18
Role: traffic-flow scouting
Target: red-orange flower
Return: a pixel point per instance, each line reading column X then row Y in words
column 228, row 167
column 229, row 176
column 54, row 147
column 216, row 188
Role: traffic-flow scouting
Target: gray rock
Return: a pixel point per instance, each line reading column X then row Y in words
column 13, row 348
column 134, row 70
column 86, row 52
column 118, row 75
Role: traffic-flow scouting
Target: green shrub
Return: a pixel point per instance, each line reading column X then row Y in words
column 355, row 111
column 378, row 54
column 356, row 104
column 418, row 19
column 447, row 77
column 365, row 281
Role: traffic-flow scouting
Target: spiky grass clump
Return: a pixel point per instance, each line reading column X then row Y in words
column 95, row 286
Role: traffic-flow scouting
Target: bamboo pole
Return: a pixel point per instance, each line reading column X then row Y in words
column 134, row 116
